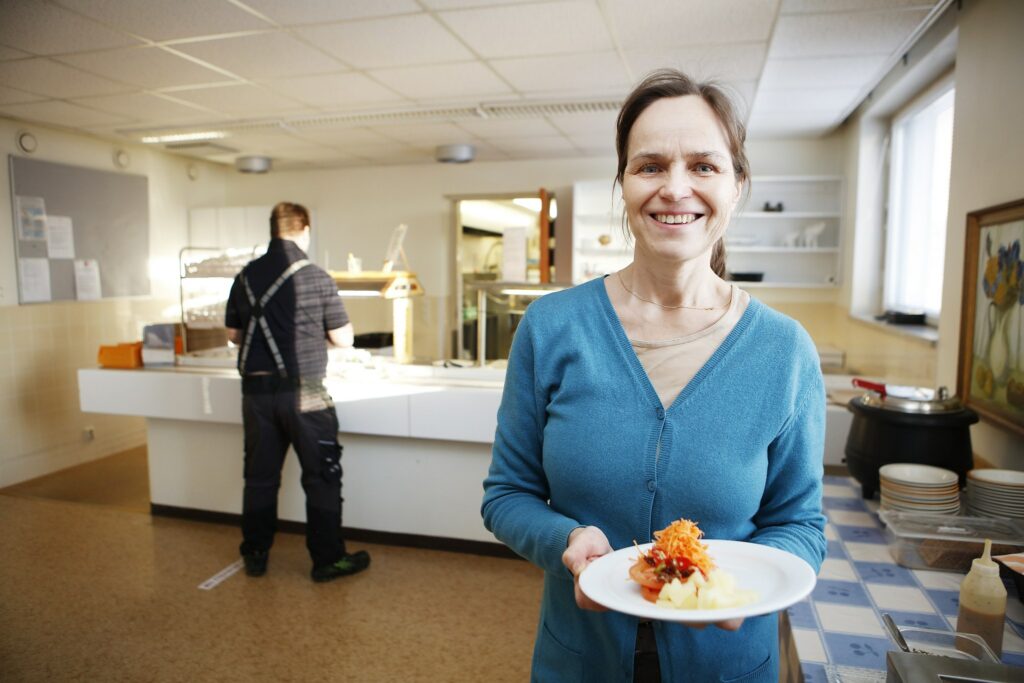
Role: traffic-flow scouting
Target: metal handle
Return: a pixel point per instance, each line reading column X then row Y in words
column 894, row 632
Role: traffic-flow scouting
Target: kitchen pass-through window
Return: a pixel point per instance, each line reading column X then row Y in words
column 921, row 151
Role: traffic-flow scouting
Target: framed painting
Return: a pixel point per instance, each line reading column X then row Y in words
column 990, row 380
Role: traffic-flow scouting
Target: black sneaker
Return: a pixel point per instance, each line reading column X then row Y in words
column 256, row 562
column 346, row 566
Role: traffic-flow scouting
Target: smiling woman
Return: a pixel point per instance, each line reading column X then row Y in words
column 662, row 393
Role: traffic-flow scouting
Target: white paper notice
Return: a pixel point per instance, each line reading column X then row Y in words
column 513, row 267
column 31, row 218
column 34, row 276
column 60, row 239
column 87, row 279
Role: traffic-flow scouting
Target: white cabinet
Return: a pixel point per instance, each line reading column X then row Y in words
column 229, row 226
column 797, row 246
column 598, row 238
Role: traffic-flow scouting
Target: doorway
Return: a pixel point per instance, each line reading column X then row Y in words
column 498, row 239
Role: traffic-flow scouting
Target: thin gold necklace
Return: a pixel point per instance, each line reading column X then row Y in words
column 618, row 274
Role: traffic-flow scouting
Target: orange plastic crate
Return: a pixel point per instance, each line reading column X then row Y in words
column 127, row 355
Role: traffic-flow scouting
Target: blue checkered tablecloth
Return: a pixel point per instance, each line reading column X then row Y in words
column 840, row 623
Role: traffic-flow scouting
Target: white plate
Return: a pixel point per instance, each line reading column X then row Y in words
column 780, row 579
column 917, row 475
column 1009, row 478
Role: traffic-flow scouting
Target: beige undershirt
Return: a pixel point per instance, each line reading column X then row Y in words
column 672, row 363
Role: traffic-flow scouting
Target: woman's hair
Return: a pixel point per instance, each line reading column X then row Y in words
column 672, row 83
column 288, row 218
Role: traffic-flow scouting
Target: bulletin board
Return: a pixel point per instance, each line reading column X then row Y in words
column 79, row 233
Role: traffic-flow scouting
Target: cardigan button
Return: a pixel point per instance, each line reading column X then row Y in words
column 661, row 413
column 651, row 485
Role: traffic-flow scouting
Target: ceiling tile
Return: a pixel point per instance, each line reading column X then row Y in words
column 545, row 145
column 265, row 55
column 821, row 71
column 15, row 96
column 834, row 100
column 161, row 20
column 338, row 135
column 792, row 123
column 492, row 129
column 431, row 134
column 396, row 41
column 836, row 35
column 63, row 31
column 595, row 145
column 821, row 6
column 599, row 124
column 465, row 81
column 289, row 12
column 337, row 91
column 60, row 113
column 528, row 30
column 663, row 22
column 463, row 4
column 149, row 108
column 246, row 101
column 45, row 77
column 150, row 68
column 392, row 152
column 10, row 53
column 572, row 75
column 741, row 61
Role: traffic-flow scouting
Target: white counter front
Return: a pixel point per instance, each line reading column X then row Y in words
column 415, row 452
column 417, row 446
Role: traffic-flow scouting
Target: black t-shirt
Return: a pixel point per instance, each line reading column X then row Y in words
column 299, row 314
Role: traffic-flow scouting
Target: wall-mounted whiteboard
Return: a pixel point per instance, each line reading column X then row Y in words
column 79, row 233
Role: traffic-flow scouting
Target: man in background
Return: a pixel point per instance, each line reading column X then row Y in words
column 283, row 311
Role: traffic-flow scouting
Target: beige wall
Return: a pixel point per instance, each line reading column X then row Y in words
column 988, row 148
column 43, row 345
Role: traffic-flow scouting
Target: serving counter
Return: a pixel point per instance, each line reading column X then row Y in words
column 417, row 447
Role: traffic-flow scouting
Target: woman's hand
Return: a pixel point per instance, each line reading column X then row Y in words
column 586, row 544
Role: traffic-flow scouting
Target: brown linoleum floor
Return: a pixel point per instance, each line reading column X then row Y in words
column 92, row 590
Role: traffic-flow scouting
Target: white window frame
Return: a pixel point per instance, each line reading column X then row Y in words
column 918, row 204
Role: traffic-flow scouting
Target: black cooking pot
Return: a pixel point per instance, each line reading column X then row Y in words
column 907, row 424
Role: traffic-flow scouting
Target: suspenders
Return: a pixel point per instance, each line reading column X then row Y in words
column 257, row 316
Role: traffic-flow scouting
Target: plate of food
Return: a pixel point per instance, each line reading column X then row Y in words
column 680, row 577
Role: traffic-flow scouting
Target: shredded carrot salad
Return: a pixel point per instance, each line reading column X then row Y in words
column 681, row 540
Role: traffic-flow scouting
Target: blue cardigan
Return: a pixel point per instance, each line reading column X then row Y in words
column 583, row 439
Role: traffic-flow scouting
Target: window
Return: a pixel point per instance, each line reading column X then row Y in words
column 922, row 145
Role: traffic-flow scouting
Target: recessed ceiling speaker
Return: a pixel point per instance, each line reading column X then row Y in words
column 253, row 164
column 455, row 154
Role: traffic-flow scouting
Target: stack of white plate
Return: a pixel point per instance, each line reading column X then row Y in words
column 995, row 493
column 919, row 488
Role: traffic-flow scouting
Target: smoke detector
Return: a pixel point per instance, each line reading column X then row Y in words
column 455, row 154
column 253, row 164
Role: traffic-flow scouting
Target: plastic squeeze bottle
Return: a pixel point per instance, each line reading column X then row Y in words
column 983, row 601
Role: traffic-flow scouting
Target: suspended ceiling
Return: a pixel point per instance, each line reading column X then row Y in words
column 322, row 83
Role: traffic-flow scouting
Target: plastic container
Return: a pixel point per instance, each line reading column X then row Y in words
column 128, row 355
column 983, row 601
column 959, row 645
column 947, row 542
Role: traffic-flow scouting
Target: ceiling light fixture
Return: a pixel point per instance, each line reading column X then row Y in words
column 184, row 137
column 455, row 154
column 253, row 164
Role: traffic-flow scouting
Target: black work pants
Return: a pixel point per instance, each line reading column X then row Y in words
column 276, row 414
